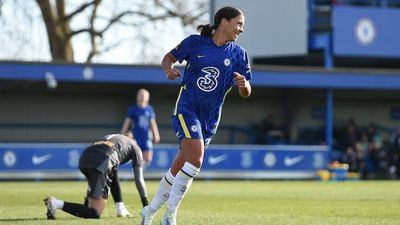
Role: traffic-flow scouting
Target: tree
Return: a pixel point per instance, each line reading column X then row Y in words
column 96, row 19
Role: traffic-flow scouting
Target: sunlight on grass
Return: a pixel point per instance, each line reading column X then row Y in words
column 223, row 202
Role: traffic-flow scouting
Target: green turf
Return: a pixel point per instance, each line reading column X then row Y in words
column 224, row 203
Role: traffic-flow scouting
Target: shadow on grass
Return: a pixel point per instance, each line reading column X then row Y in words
column 28, row 219
column 58, row 219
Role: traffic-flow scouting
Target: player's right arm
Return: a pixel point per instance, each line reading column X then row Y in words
column 167, row 65
column 126, row 126
column 179, row 53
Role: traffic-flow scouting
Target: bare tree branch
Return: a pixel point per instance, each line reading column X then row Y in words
column 182, row 12
column 133, row 16
column 115, row 19
column 57, row 31
column 93, row 34
column 79, row 10
column 140, row 13
column 49, row 19
column 60, row 6
column 84, row 30
column 1, row 7
column 114, row 45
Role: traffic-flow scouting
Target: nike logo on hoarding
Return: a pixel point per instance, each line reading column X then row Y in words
column 212, row 160
column 36, row 160
column 288, row 161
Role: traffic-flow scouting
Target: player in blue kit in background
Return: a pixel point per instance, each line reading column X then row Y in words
column 141, row 118
column 215, row 63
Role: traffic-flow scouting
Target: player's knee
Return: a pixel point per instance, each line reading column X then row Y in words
column 190, row 169
column 89, row 213
column 196, row 161
column 96, row 214
column 147, row 160
column 147, row 156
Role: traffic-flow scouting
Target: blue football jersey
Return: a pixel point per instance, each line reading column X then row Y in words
column 141, row 118
column 208, row 76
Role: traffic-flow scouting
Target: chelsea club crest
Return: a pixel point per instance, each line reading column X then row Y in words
column 365, row 31
column 227, row 62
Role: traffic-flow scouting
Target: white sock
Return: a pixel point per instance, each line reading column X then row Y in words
column 162, row 194
column 120, row 206
column 181, row 184
column 58, row 204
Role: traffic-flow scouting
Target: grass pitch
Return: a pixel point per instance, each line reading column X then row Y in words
column 223, row 203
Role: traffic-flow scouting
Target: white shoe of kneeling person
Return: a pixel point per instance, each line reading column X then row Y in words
column 123, row 213
column 121, row 210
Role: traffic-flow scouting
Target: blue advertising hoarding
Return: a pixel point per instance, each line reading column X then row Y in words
column 363, row 31
column 60, row 161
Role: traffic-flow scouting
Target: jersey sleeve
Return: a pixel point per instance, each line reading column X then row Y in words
column 244, row 65
column 152, row 113
column 131, row 112
column 182, row 50
column 136, row 156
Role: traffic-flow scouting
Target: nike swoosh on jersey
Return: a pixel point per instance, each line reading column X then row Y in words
column 36, row 160
column 289, row 161
column 201, row 56
column 213, row 160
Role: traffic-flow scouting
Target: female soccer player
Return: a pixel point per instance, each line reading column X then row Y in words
column 99, row 163
column 215, row 63
column 141, row 115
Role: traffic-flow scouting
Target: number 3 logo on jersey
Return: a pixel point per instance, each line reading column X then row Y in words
column 209, row 81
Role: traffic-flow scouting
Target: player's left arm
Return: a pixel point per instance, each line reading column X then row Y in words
column 243, row 85
column 137, row 166
column 140, row 183
column 243, row 74
column 116, row 188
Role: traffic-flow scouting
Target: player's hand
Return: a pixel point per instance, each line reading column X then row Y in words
column 172, row 74
column 242, row 84
column 240, row 80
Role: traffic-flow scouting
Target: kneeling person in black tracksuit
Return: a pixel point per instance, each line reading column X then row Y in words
column 99, row 163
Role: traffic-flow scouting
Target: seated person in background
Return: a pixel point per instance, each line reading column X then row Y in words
column 99, row 163
column 350, row 158
column 272, row 134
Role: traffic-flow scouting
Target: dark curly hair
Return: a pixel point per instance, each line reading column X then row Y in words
column 226, row 12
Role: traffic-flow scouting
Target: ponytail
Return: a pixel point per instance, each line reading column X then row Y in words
column 205, row 30
column 226, row 12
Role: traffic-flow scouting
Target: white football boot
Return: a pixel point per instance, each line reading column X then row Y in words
column 51, row 210
column 147, row 217
column 168, row 219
